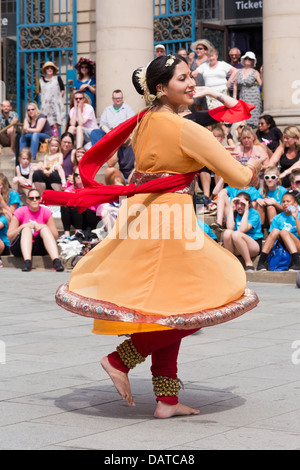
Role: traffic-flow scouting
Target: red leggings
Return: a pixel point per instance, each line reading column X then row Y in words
column 163, row 346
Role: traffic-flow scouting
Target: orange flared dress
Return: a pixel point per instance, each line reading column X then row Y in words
column 157, row 270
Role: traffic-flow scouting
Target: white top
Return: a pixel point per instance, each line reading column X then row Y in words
column 215, row 77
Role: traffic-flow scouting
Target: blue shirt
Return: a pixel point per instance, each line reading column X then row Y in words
column 285, row 222
column 277, row 194
column 206, row 228
column 14, row 198
column 233, row 192
column 254, row 220
column 3, row 231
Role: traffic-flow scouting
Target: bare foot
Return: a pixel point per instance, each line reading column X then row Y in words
column 163, row 410
column 120, row 381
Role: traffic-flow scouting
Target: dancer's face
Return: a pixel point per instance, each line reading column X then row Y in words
column 180, row 89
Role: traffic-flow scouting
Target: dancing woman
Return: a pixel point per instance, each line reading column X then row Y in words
column 124, row 282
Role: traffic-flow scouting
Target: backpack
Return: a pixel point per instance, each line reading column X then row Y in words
column 279, row 258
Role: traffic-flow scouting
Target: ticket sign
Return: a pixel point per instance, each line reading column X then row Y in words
column 241, row 9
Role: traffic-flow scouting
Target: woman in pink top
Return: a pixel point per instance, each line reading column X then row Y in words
column 32, row 231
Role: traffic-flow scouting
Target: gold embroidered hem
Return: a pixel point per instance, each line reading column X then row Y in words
column 100, row 310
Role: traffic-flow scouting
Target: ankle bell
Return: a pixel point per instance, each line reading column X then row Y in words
column 129, row 354
column 166, row 386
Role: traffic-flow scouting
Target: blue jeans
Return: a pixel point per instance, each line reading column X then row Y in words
column 96, row 135
column 33, row 141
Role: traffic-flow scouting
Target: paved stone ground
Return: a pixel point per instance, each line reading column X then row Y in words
column 244, row 376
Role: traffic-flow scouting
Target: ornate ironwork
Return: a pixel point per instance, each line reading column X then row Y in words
column 174, row 23
column 173, row 28
column 45, row 37
column 175, row 6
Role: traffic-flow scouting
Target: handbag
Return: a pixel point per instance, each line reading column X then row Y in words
column 279, row 258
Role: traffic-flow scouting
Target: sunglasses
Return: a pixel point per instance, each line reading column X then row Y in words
column 199, row 48
column 31, row 109
column 297, row 182
column 76, row 175
column 34, row 198
column 271, row 177
column 78, row 99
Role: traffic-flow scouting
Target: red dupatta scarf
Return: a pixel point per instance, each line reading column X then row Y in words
column 95, row 193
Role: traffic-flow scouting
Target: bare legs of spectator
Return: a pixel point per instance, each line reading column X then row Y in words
column 223, row 205
column 114, row 176
column 79, row 132
column 48, row 240
column 240, row 244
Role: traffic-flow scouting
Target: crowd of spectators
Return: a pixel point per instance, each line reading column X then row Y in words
column 248, row 222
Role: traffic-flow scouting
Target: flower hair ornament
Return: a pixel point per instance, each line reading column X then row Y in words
column 142, row 79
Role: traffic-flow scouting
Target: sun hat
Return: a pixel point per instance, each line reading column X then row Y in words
column 202, row 42
column 249, row 55
column 85, row 60
column 49, row 64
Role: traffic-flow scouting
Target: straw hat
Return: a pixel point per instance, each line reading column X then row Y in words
column 202, row 42
column 49, row 64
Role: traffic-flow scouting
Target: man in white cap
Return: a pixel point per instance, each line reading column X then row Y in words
column 159, row 50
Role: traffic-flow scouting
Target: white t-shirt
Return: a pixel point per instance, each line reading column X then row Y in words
column 215, row 77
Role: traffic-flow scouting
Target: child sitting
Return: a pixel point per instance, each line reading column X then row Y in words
column 286, row 228
column 22, row 182
column 243, row 235
column 53, row 161
column 223, row 204
column 269, row 204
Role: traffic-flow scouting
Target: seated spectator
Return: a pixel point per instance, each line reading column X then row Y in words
column 234, row 135
column 126, row 161
column 112, row 116
column 250, row 147
column 224, row 201
column 86, row 82
column 295, row 180
column 243, row 236
column 7, row 117
column 82, row 120
column 53, row 181
column 70, row 215
column 9, row 199
column 51, row 172
column 68, row 151
column 36, row 129
column 22, row 182
column 269, row 204
column 268, row 133
column 4, row 241
column 33, row 232
column 77, row 156
column 285, row 227
column 287, row 155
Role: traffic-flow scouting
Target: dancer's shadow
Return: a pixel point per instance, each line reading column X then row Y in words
column 104, row 400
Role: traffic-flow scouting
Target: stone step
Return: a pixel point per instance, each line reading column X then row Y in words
column 45, row 263
column 38, row 263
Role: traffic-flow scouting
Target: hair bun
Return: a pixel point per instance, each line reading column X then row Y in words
column 136, row 81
